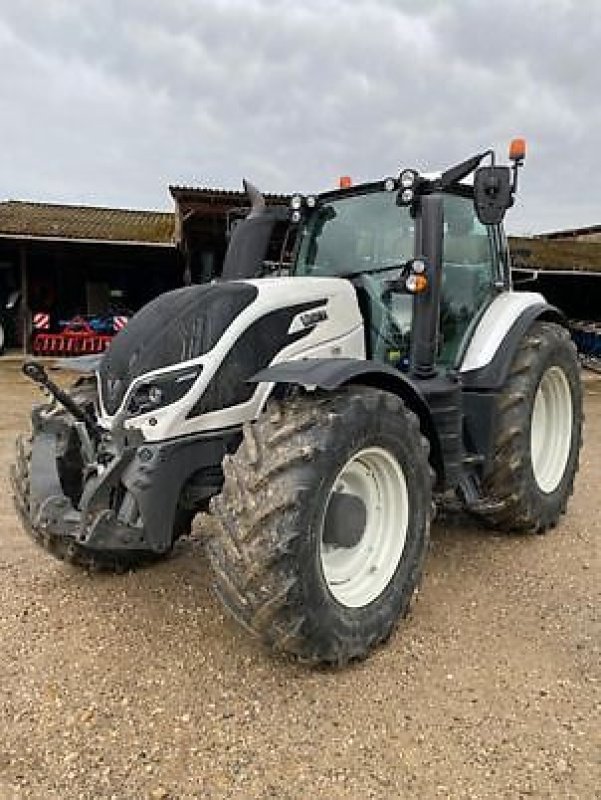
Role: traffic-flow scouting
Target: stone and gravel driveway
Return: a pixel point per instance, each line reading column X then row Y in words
column 138, row 687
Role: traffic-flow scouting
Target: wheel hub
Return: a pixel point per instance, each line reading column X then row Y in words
column 365, row 527
column 345, row 520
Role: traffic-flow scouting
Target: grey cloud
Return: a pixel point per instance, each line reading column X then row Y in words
column 108, row 102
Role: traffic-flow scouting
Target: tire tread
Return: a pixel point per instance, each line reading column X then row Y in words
column 256, row 512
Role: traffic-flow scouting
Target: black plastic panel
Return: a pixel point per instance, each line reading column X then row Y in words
column 444, row 400
column 254, row 350
column 480, row 410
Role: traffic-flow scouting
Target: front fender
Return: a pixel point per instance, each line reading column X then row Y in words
column 329, row 374
column 332, row 373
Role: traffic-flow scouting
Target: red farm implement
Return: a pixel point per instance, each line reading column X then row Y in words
column 80, row 336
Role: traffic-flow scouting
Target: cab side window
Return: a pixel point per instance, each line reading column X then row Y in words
column 469, row 274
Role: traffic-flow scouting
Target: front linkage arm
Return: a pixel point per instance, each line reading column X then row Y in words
column 37, row 373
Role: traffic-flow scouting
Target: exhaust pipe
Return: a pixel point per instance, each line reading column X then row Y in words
column 249, row 240
column 257, row 201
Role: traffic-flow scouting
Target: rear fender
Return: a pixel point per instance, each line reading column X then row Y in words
column 483, row 385
column 329, row 374
column 492, row 375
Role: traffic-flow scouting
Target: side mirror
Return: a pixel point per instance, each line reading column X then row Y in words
column 492, row 193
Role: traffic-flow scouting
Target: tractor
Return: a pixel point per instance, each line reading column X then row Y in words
column 320, row 416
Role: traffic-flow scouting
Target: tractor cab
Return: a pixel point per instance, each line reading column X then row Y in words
column 378, row 236
column 364, row 234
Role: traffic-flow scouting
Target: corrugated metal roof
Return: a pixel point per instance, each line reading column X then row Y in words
column 206, row 193
column 19, row 219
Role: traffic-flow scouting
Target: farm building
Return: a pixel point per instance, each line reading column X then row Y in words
column 65, row 261
column 566, row 268
column 566, row 271
column 591, row 233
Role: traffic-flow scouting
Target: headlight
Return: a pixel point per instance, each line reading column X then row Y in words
column 390, row 184
column 407, row 196
column 295, row 216
column 311, row 201
column 161, row 390
column 296, row 202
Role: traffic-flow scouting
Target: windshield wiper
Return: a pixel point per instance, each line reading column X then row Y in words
column 401, row 265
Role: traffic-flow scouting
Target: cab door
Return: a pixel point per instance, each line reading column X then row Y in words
column 471, row 276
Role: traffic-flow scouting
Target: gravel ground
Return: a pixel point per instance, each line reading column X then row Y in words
column 138, row 687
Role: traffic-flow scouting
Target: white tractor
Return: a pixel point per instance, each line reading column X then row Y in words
column 320, row 416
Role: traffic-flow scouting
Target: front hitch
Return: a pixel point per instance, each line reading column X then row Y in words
column 37, row 374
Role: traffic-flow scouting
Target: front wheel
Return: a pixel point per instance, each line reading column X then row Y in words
column 323, row 522
column 539, row 434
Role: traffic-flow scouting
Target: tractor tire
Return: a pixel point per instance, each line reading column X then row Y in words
column 323, row 523
column 538, row 435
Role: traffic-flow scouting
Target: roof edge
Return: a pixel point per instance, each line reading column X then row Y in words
column 569, row 232
column 191, row 192
column 74, row 240
column 85, row 206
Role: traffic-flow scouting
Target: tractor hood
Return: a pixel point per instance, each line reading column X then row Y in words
column 176, row 327
column 185, row 362
column 184, row 324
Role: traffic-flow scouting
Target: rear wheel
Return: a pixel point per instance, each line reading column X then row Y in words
column 323, row 523
column 539, row 434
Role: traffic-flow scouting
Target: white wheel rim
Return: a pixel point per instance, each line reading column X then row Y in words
column 551, row 429
column 357, row 575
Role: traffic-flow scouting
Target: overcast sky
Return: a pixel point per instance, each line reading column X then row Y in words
column 109, row 101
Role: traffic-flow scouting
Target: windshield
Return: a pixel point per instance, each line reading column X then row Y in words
column 370, row 237
column 359, row 234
